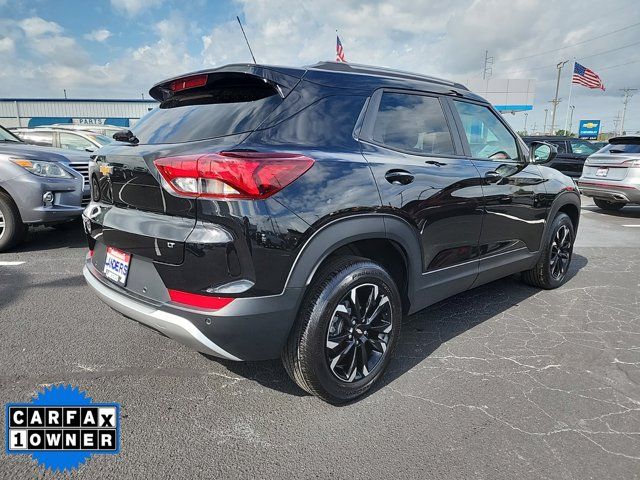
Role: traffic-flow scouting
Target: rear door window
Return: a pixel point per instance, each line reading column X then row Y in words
column 237, row 107
column 580, row 147
column 412, row 123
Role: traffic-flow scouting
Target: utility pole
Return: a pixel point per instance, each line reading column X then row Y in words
column 555, row 100
column 544, row 129
column 534, row 128
column 628, row 93
column 616, row 122
column 488, row 65
column 526, row 115
column 572, row 108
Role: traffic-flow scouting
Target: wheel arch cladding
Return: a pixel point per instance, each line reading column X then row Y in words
column 569, row 204
column 366, row 236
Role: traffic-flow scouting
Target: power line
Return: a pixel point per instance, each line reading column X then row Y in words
column 569, row 46
column 525, row 69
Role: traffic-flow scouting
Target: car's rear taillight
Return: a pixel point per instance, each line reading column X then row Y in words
column 232, row 175
column 632, row 163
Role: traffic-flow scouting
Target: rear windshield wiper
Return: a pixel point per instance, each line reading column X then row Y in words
column 126, row 136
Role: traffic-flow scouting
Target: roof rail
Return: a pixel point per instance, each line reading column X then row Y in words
column 381, row 71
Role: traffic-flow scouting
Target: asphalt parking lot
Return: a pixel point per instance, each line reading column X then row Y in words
column 504, row 381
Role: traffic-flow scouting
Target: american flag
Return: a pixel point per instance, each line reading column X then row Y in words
column 339, row 51
column 586, row 77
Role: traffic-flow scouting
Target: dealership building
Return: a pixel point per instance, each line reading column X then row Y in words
column 507, row 95
column 35, row 112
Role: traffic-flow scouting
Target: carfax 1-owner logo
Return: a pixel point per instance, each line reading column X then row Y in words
column 62, row 427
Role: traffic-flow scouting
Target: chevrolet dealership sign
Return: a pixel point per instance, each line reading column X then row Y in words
column 589, row 129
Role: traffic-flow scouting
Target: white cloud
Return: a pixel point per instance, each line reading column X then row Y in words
column 98, row 35
column 134, row 7
column 36, row 26
column 6, row 44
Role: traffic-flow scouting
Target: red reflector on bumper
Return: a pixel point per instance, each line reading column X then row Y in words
column 201, row 301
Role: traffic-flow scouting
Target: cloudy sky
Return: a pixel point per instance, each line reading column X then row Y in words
column 119, row 48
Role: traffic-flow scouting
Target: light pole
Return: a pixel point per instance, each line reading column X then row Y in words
column 571, row 108
column 544, row 128
column 555, row 100
column 526, row 114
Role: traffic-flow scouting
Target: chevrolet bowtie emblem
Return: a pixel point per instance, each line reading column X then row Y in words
column 106, row 169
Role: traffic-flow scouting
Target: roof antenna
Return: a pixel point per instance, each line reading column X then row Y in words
column 245, row 39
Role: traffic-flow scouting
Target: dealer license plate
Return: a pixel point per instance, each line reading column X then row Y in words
column 116, row 266
column 602, row 172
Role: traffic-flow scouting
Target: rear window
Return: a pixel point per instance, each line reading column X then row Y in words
column 209, row 113
column 621, row 148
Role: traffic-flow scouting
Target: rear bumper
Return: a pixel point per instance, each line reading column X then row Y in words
column 619, row 192
column 247, row 329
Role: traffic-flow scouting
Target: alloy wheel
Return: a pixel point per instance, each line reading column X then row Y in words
column 2, row 224
column 359, row 333
column 561, row 248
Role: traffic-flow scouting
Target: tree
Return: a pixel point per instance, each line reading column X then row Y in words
column 564, row 133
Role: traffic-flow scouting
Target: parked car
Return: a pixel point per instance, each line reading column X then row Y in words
column 572, row 152
column 61, row 138
column 612, row 175
column 392, row 190
column 38, row 186
column 106, row 130
column 598, row 145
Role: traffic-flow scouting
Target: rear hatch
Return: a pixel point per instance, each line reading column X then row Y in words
column 200, row 113
column 612, row 162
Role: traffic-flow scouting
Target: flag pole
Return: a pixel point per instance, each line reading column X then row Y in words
column 566, row 118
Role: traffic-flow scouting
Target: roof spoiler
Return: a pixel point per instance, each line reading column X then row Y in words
column 625, row 140
column 281, row 78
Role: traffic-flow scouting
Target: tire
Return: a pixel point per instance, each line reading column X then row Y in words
column 548, row 273
column 12, row 230
column 326, row 314
column 607, row 205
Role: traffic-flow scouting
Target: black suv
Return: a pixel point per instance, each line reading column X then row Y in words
column 571, row 152
column 264, row 212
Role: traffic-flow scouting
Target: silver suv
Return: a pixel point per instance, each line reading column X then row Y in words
column 612, row 175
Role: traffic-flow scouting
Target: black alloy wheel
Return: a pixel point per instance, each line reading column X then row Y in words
column 561, row 249
column 556, row 252
column 346, row 331
column 358, row 334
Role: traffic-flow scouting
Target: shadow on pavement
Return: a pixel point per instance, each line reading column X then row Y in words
column 487, row 300
column 69, row 235
column 630, row 211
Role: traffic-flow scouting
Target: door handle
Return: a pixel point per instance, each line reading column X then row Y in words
column 399, row 177
column 492, row 177
column 433, row 162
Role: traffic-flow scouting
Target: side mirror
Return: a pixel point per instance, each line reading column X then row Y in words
column 542, row 152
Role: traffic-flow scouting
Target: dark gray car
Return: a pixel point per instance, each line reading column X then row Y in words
column 38, row 186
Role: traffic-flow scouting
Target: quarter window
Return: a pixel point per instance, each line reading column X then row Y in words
column 412, row 123
column 487, row 136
